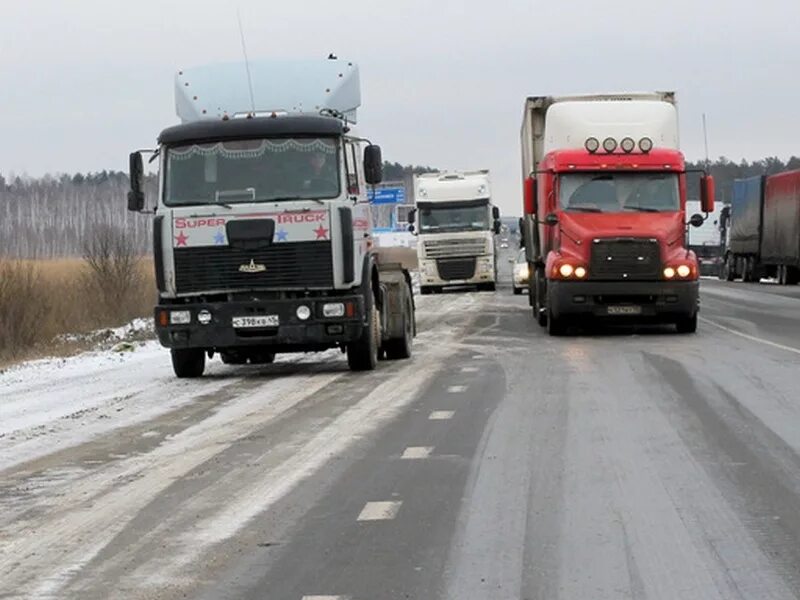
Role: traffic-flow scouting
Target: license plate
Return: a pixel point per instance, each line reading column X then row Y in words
column 254, row 322
column 624, row 310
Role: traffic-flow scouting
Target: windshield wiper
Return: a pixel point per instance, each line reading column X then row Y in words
column 642, row 209
column 287, row 198
column 588, row 209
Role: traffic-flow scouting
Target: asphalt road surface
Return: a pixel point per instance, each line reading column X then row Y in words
column 498, row 463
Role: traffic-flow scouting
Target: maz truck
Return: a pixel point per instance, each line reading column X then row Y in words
column 456, row 224
column 762, row 229
column 604, row 225
column 262, row 231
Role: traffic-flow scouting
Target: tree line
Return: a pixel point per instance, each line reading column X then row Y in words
column 725, row 171
column 54, row 215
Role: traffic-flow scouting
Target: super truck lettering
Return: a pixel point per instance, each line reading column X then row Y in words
column 314, row 217
column 183, row 223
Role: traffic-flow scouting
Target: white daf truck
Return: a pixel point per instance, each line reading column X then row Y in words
column 262, row 233
column 456, row 224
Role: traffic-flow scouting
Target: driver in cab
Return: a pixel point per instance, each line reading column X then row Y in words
column 321, row 177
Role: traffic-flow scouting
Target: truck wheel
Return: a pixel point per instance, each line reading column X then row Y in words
column 556, row 326
column 188, row 363
column 400, row 348
column 792, row 275
column 517, row 291
column 687, row 324
column 425, row 290
column 233, row 358
column 363, row 354
column 539, row 313
column 262, row 358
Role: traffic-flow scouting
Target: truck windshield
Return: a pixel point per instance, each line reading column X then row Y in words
column 454, row 217
column 619, row 192
column 252, row 170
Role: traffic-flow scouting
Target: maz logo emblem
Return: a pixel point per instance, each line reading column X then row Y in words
column 252, row 267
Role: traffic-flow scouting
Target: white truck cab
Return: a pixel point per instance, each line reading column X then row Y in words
column 456, row 224
column 262, row 232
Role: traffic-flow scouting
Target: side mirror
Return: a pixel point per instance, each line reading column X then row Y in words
column 529, row 193
column 411, row 228
column 495, row 213
column 497, row 226
column 707, row 194
column 373, row 164
column 696, row 220
column 412, row 215
column 551, row 219
column 136, row 194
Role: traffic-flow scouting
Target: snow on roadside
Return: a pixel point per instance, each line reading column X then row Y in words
column 55, row 403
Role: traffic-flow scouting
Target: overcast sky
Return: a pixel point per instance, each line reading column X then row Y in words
column 86, row 81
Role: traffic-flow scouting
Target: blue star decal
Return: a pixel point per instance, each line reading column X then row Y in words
column 219, row 238
column 282, row 235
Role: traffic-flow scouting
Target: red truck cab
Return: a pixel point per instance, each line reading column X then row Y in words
column 605, row 231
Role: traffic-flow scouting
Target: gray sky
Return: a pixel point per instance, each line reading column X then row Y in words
column 86, row 81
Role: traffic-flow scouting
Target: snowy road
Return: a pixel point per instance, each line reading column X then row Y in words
column 497, row 464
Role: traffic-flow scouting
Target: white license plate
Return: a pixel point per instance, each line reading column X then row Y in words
column 260, row 321
column 624, row 310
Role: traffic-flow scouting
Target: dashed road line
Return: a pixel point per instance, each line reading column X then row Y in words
column 441, row 415
column 456, row 389
column 325, row 598
column 380, row 511
column 469, row 369
column 417, row 452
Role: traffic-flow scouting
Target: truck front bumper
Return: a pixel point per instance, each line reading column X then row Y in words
column 658, row 301
column 482, row 271
column 291, row 334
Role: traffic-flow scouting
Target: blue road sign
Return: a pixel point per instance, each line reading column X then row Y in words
column 387, row 195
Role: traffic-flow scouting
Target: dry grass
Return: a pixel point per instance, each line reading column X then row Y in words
column 43, row 299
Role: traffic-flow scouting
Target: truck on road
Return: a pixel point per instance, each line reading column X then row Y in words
column 763, row 229
column 456, row 224
column 604, row 226
column 262, row 233
column 704, row 241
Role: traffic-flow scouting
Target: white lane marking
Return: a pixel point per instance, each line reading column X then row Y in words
column 441, row 415
column 752, row 338
column 380, row 511
column 469, row 369
column 414, row 452
column 325, row 598
column 456, row 389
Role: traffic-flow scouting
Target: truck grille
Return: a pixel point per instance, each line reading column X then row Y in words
column 286, row 266
column 456, row 268
column 625, row 259
column 449, row 248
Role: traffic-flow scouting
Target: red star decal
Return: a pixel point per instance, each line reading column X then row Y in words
column 181, row 239
column 322, row 233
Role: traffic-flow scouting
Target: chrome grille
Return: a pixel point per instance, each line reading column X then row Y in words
column 452, row 248
column 456, row 268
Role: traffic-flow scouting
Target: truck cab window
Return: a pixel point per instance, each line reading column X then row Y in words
column 351, row 163
column 618, row 192
column 252, row 170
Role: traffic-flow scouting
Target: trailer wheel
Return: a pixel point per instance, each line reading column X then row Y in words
column 517, row 291
column 687, row 324
column 792, row 275
column 400, row 348
column 539, row 311
column 188, row 363
column 363, row 354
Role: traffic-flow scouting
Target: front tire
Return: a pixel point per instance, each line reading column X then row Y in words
column 363, row 354
column 188, row 363
column 687, row 324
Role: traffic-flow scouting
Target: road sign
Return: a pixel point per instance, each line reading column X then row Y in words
column 387, row 195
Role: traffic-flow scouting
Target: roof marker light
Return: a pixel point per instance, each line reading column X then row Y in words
column 592, row 145
column 627, row 144
column 609, row 144
column 645, row 144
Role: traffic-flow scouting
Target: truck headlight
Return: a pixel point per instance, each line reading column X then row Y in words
column 204, row 317
column 333, row 309
column 303, row 312
column 180, row 317
column 684, row 270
